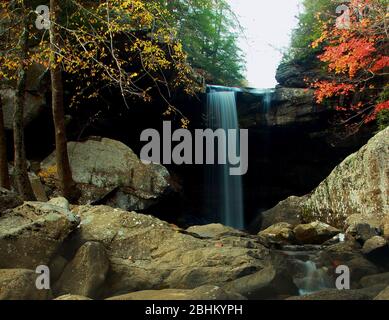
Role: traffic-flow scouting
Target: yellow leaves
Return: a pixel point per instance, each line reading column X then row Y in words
column 184, row 123
column 48, row 174
column 318, row 41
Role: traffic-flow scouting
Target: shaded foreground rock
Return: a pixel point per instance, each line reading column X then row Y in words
column 201, row 293
column 31, row 234
column 109, row 172
column 146, row 253
column 383, row 295
column 19, row 284
column 268, row 283
column 72, row 297
column 376, row 279
column 348, row 254
column 86, row 273
column 334, row 295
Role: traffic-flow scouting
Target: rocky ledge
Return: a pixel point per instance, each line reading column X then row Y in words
column 99, row 252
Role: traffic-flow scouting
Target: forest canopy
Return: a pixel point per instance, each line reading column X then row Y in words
column 209, row 30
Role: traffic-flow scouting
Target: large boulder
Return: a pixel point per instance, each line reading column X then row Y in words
column 20, row 284
column 208, row 293
column 348, row 254
column 109, row 172
column 286, row 211
column 362, row 228
column 359, row 185
column 86, row 273
column 146, row 253
column 35, row 96
column 269, row 283
column 375, row 279
column 280, row 233
column 314, row 233
column 31, row 234
column 375, row 245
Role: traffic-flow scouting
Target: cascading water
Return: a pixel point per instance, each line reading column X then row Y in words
column 267, row 99
column 309, row 275
column 224, row 194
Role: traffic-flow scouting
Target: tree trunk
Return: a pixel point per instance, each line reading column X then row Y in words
column 64, row 172
column 4, row 175
column 23, row 184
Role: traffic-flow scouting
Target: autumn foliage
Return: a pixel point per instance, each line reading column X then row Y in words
column 355, row 54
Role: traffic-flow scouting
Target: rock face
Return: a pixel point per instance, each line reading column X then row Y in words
column 359, row 185
column 202, row 293
column 292, row 74
column 31, row 234
column 146, row 253
column 293, row 107
column 107, row 171
column 19, row 284
column 86, row 273
column 290, row 107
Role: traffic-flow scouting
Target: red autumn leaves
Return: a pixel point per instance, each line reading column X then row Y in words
column 356, row 58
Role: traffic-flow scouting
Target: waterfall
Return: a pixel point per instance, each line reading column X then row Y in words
column 313, row 279
column 267, row 99
column 224, row 191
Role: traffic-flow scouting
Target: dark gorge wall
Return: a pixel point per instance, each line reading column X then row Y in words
column 292, row 144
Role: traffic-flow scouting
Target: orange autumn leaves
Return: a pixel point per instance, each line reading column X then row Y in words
column 355, row 58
